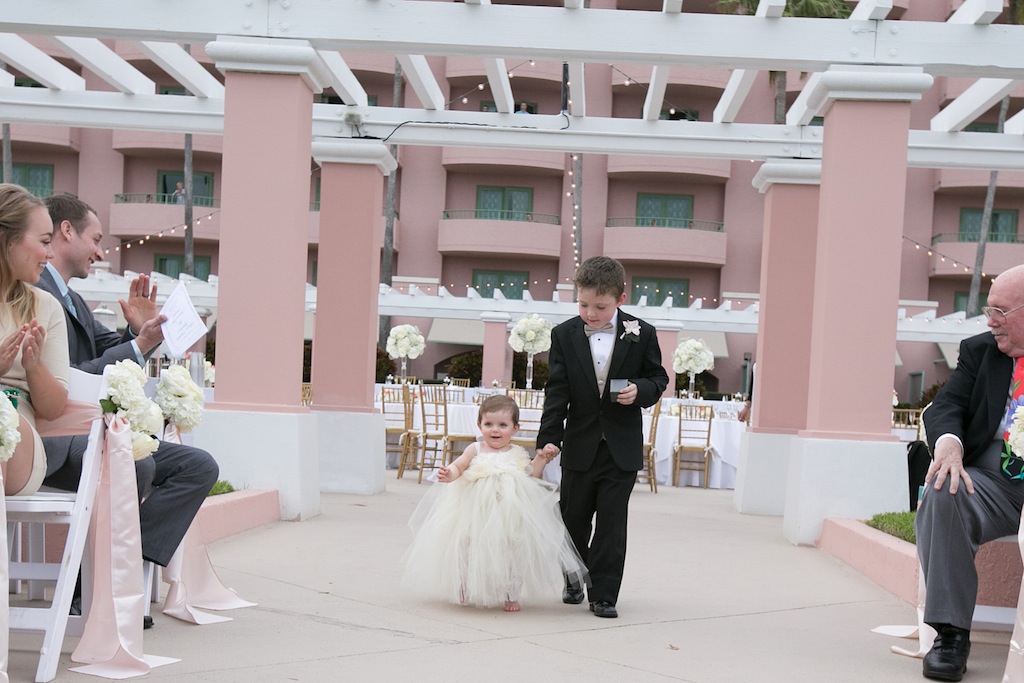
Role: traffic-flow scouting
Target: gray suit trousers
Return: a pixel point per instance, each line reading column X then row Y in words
column 179, row 480
column 950, row 529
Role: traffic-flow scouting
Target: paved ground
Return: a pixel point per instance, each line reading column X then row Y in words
column 709, row 596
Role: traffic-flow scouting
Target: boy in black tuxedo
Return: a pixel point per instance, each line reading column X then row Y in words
column 599, row 431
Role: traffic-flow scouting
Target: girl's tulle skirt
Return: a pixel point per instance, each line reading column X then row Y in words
column 486, row 541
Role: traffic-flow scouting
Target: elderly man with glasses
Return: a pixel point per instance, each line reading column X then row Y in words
column 974, row 489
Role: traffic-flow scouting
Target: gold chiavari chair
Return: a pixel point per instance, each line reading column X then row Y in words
column 460, row 381
column 908, row 419
column 650, row 453
column 307, row 393
column 692, row 450
column 531, row 408
column 397, row 406
column 528, row 398
column 437, row 442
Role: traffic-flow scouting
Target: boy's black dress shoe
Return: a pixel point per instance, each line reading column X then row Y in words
column 947, row 660
column 602, row 608
column 572, row 595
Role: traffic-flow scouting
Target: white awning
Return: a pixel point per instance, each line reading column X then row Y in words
column 899, row 361
column 950, row 352
column 714, row 340
column 451, row 331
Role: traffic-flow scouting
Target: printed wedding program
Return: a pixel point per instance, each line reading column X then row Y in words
column 183, row 326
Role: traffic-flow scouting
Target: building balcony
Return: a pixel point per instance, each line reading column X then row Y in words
column 140, row 143
column 670, row 240
column 953, row 87
column 512, row 233
column 691, row 76
column 133, row 215
column 953, row 179
column 478, row 159
column 622, row 166
column 473, row 68
column 29, row 136
column 954, row 256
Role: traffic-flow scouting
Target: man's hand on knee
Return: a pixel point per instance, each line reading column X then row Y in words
column 948, row 462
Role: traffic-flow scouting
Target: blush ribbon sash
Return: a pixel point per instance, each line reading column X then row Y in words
column 193, row 584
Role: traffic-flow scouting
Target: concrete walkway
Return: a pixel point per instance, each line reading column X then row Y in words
column 710, row 596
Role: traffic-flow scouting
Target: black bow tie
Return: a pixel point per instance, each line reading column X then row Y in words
column 588, row 330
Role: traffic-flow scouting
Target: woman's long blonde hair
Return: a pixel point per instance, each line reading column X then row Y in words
column 16, row 297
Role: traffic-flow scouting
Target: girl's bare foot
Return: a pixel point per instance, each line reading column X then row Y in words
column 511, row 605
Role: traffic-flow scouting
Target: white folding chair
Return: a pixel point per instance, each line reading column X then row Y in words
column 31, row 514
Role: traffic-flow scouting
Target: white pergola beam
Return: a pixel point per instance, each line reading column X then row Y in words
column 655, row 93
column 672, row 6
column 501, row 89
column 30, row 60
column 1015, row 125
column 977, row 12
column 801, row 113
column 6, row 79
column 927, row 149
column 173, row 59
column 577, row 89
column 106, row 64
column 734, row 95
column 770, row 8
column 875, row 10
column 421, row 79
column 546, row 33
column 972, row 103
column 343, row 80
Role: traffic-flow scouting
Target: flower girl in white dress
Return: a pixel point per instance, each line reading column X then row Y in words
column 491, row 534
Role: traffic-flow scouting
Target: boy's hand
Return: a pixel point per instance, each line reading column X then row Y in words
column 627, row 395
column 549, row 452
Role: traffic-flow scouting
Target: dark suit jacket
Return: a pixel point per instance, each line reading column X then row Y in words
column 576, row 416
column 91, row 345
column 972, row 403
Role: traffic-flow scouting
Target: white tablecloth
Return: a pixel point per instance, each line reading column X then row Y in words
column 725, row 454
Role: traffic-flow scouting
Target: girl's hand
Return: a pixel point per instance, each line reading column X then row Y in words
column 9, row 349
column 448, row 474
column 32, row 345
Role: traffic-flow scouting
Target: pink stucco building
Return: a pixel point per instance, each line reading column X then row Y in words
column 468, row 217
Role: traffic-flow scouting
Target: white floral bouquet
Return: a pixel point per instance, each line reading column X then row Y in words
column 692, row 356
column 126, row 397
column 209, row 373
column 531, row 334
column 10, row 437
column 405, row 341
column 180, row 399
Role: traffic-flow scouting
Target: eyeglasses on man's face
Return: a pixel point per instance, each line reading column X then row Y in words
column 998, row 315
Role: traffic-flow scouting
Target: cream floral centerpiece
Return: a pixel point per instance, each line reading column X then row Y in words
column 405, row 342
column 531, row 334
column 180, row 399
column 693, row 357
column 10, row 437
column 126, row 398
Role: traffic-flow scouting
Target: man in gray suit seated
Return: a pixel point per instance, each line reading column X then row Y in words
column 178, row 478
column 974, row 489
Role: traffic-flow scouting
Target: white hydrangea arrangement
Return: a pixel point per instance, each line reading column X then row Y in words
column 693, row 356
column 10, row 437
column 209, row 373
column 531, row 334
column 126, row 398
column 405, row 341
column 180, row 399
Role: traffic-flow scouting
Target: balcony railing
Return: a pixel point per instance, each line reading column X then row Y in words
column 162, row 198
column 495, row 215
column 648, row 222
column 993, row 237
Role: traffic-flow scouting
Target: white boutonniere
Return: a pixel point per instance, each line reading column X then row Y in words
column 632, row 332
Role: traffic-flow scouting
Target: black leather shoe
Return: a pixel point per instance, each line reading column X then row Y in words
column 147, row 622
column 602, row 608
column 572, row 595
column 947, row 660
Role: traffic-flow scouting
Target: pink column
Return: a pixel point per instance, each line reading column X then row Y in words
column 668, row 340
column 497, row 352
column 345, row 333
column 264, row 218
column 788, row 252
column 857, row 270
